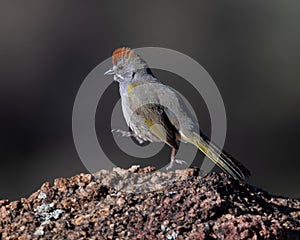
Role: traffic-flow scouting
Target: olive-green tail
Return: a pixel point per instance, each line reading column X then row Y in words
column 221, row 158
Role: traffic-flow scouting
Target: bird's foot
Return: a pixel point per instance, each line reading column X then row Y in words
column 128, row 134
column 173, row 163
column 123, row 133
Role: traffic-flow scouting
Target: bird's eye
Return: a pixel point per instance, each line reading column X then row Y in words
column 133, row 74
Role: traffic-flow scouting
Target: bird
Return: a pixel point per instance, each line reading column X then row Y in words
column 155, row 112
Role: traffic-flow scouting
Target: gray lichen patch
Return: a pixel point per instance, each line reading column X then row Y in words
column 47, row 212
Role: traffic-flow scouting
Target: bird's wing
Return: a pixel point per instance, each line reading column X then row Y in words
column 177, row 111
column 153, row 97
column 157, row 121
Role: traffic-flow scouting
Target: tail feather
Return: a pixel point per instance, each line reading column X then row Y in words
column 221, row 158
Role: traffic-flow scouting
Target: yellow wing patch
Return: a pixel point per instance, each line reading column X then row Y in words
column 149, row 122
column 157, row 129
column 131, row 86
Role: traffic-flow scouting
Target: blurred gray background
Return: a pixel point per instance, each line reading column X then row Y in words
column 251, row 50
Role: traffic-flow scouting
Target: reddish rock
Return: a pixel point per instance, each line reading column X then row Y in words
column 142, row 204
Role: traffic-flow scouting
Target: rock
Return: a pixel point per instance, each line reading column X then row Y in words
column 142, row 203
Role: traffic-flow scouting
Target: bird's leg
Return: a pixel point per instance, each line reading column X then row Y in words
column 174, row 161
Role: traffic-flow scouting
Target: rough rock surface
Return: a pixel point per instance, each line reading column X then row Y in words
column 173, row 205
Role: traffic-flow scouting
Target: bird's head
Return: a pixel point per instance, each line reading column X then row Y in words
column 126, row 63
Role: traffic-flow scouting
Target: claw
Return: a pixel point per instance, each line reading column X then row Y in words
column 174, row 162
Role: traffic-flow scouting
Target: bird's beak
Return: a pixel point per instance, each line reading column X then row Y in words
column 109, row 72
